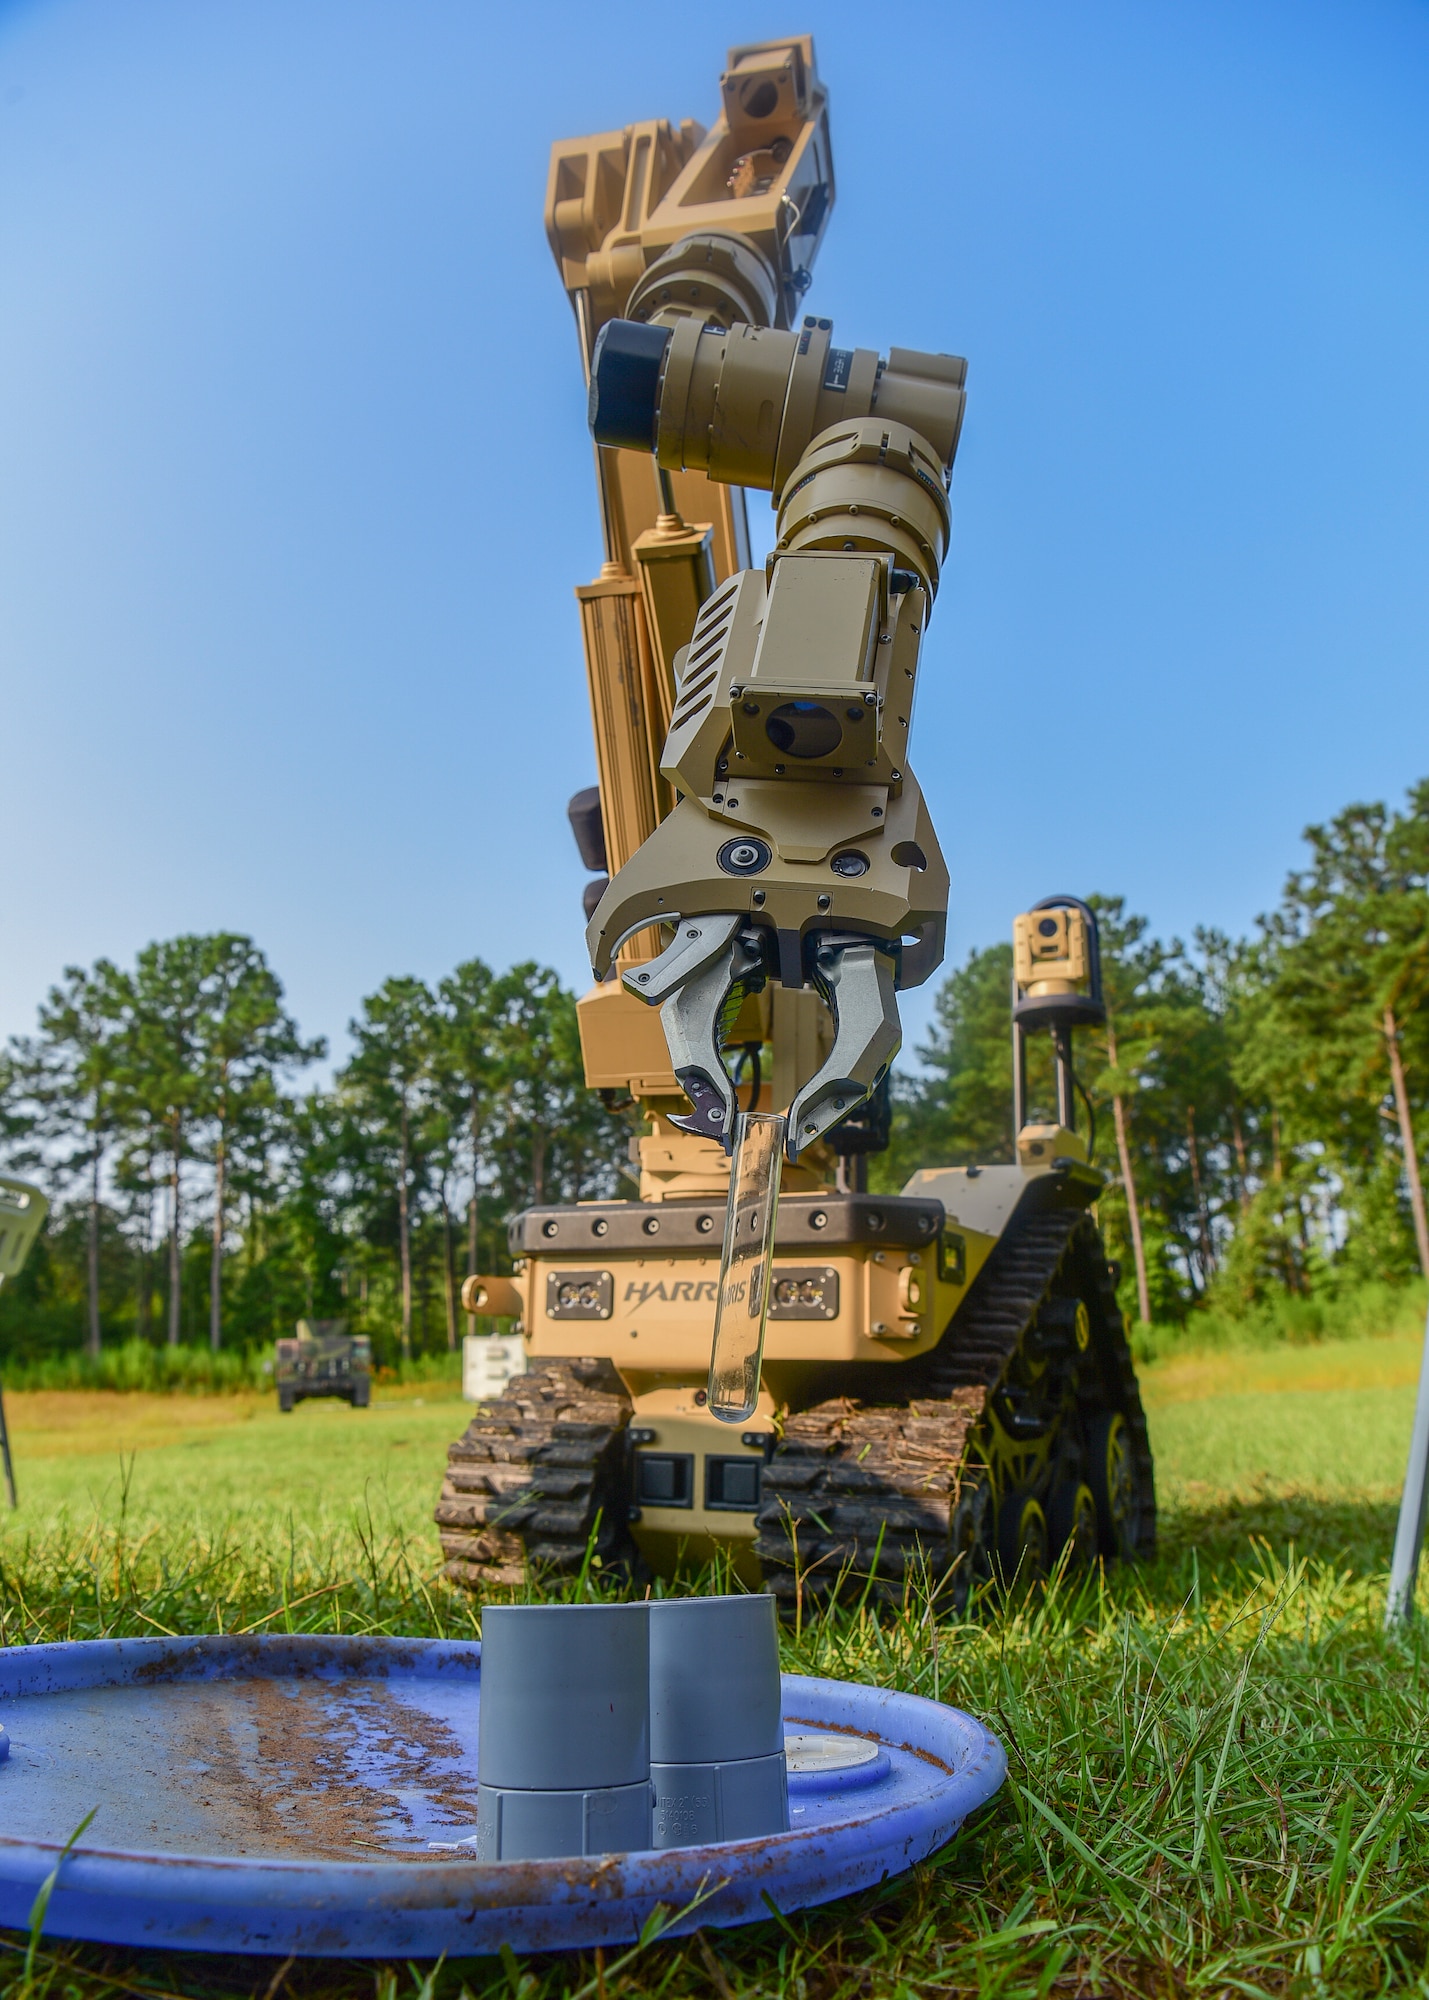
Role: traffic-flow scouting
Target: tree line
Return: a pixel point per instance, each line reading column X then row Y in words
column 1255, row 1103
column 202, row 1190
column 1256, row 1100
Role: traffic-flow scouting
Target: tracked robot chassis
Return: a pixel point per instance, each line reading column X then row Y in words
column 1020, row 1432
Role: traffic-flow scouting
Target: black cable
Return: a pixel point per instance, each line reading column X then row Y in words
column 750, row 1060
column 1081, row 1091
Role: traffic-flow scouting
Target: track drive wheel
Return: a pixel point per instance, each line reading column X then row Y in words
column 1072, row 1523
column 1021, row 1540
column 1111, row 1474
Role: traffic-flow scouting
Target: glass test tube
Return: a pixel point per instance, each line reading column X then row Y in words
column 743, row 1300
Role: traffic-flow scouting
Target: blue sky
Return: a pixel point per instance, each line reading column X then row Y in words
column 295, row 484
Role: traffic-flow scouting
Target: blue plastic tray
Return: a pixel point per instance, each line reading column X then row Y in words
column 303, row 1795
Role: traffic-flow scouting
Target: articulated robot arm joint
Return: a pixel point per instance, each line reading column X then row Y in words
column 799, row 844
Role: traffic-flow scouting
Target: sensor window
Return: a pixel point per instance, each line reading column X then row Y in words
column 732, row 1484
column 665, row 1479
column 804, row 729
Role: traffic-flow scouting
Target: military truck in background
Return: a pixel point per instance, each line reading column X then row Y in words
column 324, row 1360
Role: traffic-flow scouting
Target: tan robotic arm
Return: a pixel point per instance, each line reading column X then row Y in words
column 800, row 848
column 751, row 726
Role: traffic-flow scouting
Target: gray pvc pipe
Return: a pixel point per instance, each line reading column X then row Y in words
column 714, row 1680
column 565, row 1696
column 1409, row 1536
column 716, row 1736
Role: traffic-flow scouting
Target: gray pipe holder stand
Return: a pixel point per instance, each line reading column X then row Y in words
column 716, row 1739
column 546, row 1826
column 563, row 1737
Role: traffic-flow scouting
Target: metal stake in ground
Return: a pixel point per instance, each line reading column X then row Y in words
column 1409, row 1537
column 5, row 1452
column 22, row 1213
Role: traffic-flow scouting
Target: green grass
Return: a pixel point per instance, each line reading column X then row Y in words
column 213, row 1464
column 1219, row 1774
column 1330, row 1421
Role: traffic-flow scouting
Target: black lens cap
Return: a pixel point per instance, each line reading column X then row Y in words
column 625, row 383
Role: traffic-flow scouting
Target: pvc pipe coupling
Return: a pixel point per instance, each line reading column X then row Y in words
column 716, row 1737
column 607, row 1728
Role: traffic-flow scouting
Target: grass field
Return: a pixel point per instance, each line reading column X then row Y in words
column 1219, row 1782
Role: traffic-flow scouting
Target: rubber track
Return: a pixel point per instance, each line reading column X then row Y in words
column 531, row 1472
column 859, row 1488
column 1119, row 1366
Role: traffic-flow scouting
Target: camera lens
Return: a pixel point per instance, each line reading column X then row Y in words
column 803, row 729
column 625, row 383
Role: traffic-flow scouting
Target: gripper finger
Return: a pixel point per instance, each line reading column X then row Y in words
column 693, row 1019
column 697, row 940
column 856, row 980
